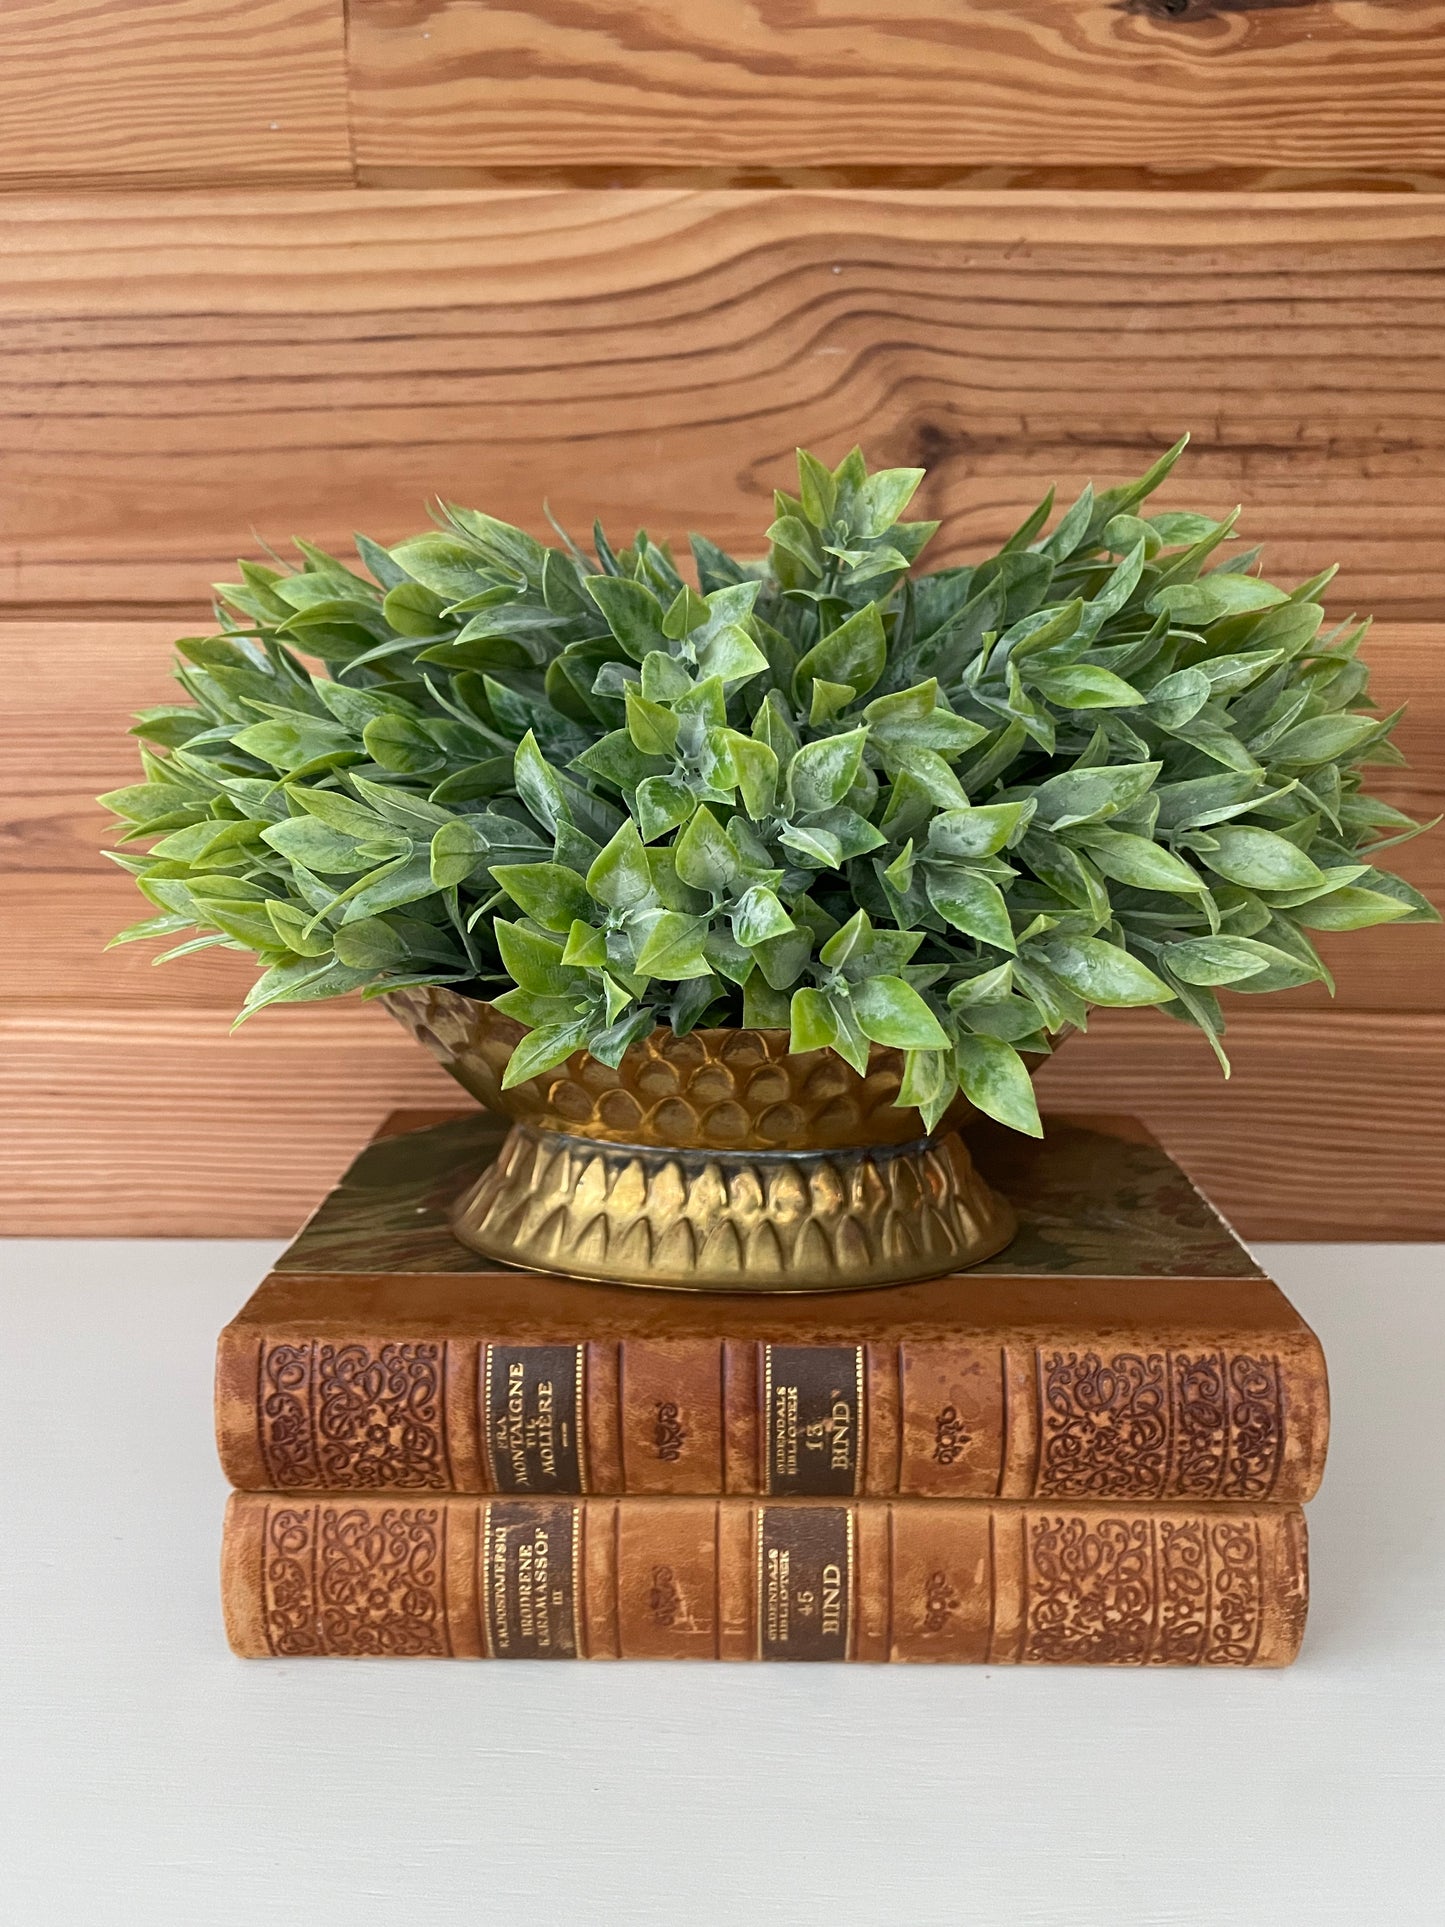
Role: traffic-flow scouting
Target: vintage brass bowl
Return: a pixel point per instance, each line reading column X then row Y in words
column 717, row 1161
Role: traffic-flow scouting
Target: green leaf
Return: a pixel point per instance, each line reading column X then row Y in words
column 827, row 700
column 852, row 941
column 652, row 728
column 621, row 877
column 731, row 655
column 400, row 807
column 812, row 1022
column 293, row 928
column 456, row 851
column 162, row 926
column 414, row 610
column 673, row 948
column 537, row 784
column 301, row 981
column 822, row 773
column 1138, row 861
column 705, row 855
column 884, row 497
column 852, row 832
column 617, row 759
column 1082, row 685
column 304, row 839
column 928, row 1084
column 995, row 1081
column 543, row 1050
column 763, row 1007
column 855, row 653
column 891, row 1012
column 390, row 888
column 293, row 745
column 1258, row 859
column 849, row 1040
column 1194, row 605
column 791, row 535
column 1350, row 908
column 548, row 893
column 971, row 903
column 1092, row 795
column 1177, row 699
column 586, row 948
column 611, row 1045
column 758, row 915
column 817, row 490
column 1102, row 973
column 756, row 768
column 372, row 944
column 1220, row 960
column 782, row 959
column 450, row 568
column 631, row 611
column 534, row 962
column 1325, row 739
column 662, row 803
column 977, row 832
column 931, row 774
column 687, row 612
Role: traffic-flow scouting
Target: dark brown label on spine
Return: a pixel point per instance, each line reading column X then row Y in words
column 529, row 1580
column 813, row 1413
column 805, row 1582
column 532, row 1405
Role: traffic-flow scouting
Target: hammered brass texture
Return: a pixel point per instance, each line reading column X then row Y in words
column 717, row 1161
column 733, row 1221
column 724, row 1090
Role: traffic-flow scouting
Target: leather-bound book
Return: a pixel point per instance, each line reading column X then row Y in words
column 958, row 1580
column 1124, row 1348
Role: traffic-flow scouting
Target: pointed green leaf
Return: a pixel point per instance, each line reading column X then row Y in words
column 1258, row 859
column 1102, row 973
column 995, row 1081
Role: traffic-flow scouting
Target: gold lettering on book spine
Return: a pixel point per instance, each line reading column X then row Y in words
column 1142, row 1591
column 531, row 1579
column 1157, row 1425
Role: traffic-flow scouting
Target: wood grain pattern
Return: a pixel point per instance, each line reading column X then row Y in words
column 1332, row 1126
column 1073, row 87
column 177, row 373
column 172, row 92
column 157, row 1122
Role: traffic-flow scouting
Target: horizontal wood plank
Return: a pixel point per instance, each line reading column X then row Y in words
column 63, row 740
column 177, row 373
column 114, row 93
column 1048, row 86
column 1332, row 1126
column 143, row 1123
column 140, row 1122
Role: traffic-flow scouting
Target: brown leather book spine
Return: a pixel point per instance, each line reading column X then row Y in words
column 961, row 1581
column 1059, row 1415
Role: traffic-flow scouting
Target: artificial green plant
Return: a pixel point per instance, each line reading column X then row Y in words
column 948, row 812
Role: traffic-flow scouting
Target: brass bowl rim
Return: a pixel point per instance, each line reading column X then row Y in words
column 532, row 1101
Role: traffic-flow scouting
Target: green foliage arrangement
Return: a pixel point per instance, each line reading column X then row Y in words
column 947, row 812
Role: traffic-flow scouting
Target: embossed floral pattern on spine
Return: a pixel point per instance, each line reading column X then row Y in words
column 961, row 1581
column 976, row 1416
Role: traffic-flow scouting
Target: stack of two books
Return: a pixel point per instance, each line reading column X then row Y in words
column 1091, row 1449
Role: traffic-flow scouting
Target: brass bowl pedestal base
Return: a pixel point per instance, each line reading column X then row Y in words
column 704, row 1220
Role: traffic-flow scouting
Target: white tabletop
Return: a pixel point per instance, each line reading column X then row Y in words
column 147, row 1779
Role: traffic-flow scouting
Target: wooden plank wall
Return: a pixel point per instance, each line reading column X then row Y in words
column 290, row 267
